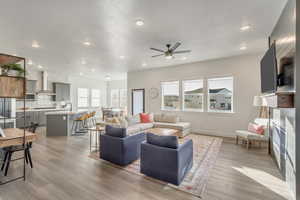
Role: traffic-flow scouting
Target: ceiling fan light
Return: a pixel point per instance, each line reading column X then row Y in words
column 169, row 57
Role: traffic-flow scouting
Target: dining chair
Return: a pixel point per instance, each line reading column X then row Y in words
column 9, row 151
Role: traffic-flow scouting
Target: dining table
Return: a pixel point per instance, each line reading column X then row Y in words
column 14, row 136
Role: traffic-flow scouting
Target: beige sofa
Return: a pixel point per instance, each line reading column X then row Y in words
column 134, row 126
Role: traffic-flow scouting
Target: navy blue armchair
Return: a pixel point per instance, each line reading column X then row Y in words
column 120, row 150
column 167, row 164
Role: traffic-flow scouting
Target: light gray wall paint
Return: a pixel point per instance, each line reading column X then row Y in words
column 246, row 73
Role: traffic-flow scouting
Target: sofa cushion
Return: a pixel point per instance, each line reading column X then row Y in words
column 145, row 126
column 115, row 132
column 178, row 126
column 136, row 128
column 250, row 135
column 162, row 141
column 169, row 118
column 132, row 120
column 157, row 117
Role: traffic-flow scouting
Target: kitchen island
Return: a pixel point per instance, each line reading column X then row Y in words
column 36, row 115
column 60, row 123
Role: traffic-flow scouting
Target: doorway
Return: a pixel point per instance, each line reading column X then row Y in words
column 138, row 101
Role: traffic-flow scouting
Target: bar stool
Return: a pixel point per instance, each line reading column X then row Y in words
column 78, row 126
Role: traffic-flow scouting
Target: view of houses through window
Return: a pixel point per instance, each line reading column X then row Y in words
column 220, row 94
column 170, row 95
column 193, row 95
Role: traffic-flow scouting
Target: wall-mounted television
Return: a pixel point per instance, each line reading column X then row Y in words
column 268, row 71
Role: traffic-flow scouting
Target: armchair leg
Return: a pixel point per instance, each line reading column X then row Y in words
column 248, row 144
column 237, row 140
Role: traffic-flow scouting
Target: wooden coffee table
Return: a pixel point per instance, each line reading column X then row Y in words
column 163, row 131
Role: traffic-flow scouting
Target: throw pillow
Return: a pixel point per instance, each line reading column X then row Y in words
column 255, row 128
column 123, row 123
column 115, row 132
column 132, row 120
column 162, row 141
column 145, row 118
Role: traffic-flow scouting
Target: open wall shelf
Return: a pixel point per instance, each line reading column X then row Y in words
column 12, row 87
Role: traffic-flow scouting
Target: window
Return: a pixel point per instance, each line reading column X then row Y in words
column 170, row 95
column 96, row 98
column 123, row 98
column 220, row 94
column 114, row 98
column 192, row 95
column 83, row 97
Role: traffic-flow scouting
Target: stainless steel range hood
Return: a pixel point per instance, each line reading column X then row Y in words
column 45, row 89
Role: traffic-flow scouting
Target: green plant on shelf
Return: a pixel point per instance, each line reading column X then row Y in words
column 15, row 69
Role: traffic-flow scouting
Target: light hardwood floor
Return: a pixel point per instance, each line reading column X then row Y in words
column 63, row 171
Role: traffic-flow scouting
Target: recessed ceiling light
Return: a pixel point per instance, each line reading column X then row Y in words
column 35, row 44
column 245, row 28
column 87, row 43
column 243, row 47
column 183, row 58
column 139, row 22
column 93, row 70
column 29, row 62
column 81, row 74
column 107, row 78
column 40, row 66
column 122, row 57
column 144, row 64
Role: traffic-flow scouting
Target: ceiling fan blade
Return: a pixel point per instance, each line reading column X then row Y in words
column 158, row 55
column 175, row 46
column 154, row 49
column 184, row 51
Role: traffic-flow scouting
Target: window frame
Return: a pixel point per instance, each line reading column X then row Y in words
column 208, row 96
column 118, row 98
column 87, row 97
column 99, row 98
column 125, row 92
column 183, row 95
column 162, row 95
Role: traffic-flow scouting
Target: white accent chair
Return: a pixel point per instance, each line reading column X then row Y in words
column 250, row 137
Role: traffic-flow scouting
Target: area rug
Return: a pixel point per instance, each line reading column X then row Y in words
column 206, row 149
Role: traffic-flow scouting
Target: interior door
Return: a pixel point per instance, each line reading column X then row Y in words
column 138, row 101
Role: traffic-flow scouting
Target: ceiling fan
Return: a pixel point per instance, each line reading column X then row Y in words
column 169, row 53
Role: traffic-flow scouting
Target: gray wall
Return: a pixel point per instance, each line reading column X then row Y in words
column 283, row 120
column 244, row 69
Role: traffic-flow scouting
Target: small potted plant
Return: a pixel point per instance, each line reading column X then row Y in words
column 12, row 70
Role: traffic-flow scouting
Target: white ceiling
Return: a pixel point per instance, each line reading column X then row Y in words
column 210, row 28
